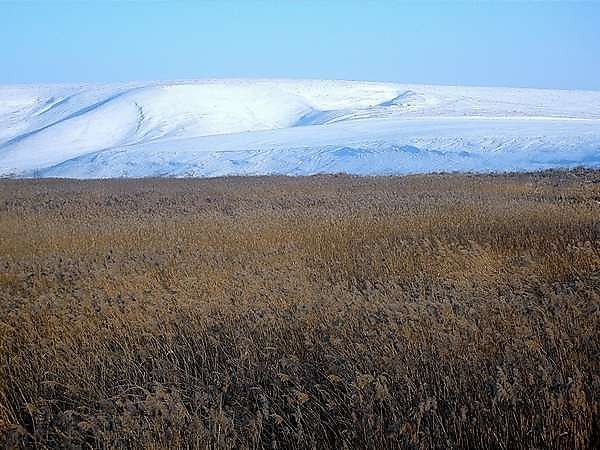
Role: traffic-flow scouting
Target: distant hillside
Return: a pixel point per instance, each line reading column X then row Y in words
column 251, row 127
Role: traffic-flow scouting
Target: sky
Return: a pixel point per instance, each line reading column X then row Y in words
column 546, row 44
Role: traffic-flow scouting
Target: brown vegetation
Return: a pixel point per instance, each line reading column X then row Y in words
column 419, row 312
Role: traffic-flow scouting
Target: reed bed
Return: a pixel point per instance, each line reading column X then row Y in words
column 428, row 311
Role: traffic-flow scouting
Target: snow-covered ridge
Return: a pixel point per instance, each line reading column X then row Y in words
column 223, row 127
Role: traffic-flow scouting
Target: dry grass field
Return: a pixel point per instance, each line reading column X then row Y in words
column 324, row 312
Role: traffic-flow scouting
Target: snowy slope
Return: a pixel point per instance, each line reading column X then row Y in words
column 224, row 127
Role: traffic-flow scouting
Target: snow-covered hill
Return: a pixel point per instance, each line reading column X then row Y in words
column 225, row 127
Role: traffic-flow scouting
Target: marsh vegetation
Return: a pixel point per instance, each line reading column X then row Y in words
column 321, row 312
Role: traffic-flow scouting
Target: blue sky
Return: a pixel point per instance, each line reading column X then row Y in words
column 537, row 44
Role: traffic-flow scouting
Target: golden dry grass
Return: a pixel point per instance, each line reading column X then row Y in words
column 321, row 312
